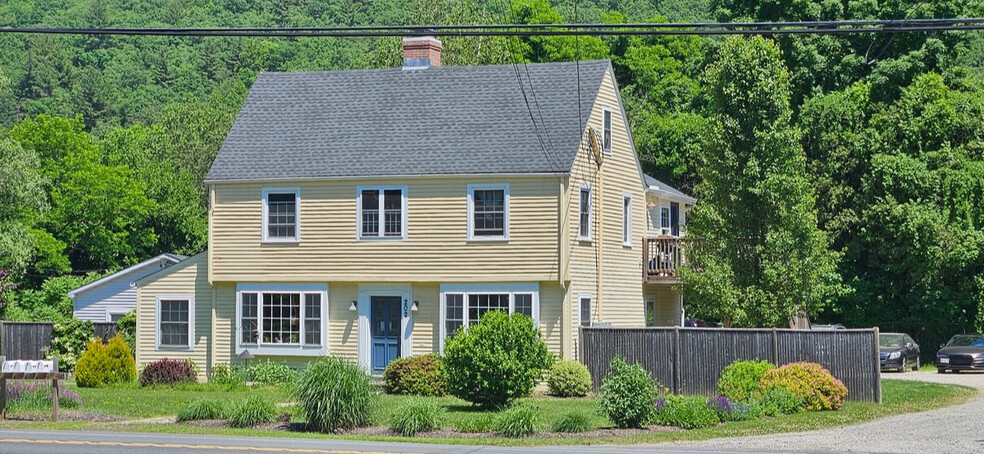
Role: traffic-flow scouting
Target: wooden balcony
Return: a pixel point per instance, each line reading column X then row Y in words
column 663, row 257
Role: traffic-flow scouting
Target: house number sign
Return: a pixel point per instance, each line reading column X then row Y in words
column 406, row 308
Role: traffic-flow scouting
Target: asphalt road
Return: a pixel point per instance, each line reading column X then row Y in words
column 958, row 429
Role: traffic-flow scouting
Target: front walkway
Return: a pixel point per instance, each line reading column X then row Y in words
column 958, row 429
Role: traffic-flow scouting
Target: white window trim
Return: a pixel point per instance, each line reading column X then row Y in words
column 590, row 298
column 581, row 235
column 111, row 312
column 466, row 289
column 626, row 220
column 297, row 215
column 301, row 349
column 505, row 211
column 191, row 323
column 670, row 210
column 607, row 110
column 358, row 213
column 364, row 340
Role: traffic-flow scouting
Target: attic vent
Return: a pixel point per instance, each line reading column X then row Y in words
column 420, row 53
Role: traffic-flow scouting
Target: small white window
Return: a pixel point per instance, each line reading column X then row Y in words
column 382, row 213
column 488, row 212
column 281, row 214
column 175, row 322
column 585, row 310
column 627, row 220
column 606, row 131
column 584, row 214
column 665, row 219
column 464, row 304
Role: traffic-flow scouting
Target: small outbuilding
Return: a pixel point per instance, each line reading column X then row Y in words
column 109, row 298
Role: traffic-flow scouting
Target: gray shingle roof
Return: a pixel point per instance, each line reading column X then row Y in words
column 437, row 121
column 650, row 181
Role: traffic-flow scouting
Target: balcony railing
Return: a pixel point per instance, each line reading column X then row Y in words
column 663, row 257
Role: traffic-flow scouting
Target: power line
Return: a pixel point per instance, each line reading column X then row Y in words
column 525, row 30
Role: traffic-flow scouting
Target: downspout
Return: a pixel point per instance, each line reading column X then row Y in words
column 598, row 244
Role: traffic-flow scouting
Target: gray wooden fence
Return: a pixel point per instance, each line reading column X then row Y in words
column 25, row 340
column 104, row 330
column 690, row 360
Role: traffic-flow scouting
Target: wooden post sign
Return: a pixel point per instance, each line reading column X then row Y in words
column 30, row 370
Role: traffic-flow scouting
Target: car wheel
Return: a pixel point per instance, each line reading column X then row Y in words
column 903, row 366
column 917, row 366
column 956, row 371
column 940, row 370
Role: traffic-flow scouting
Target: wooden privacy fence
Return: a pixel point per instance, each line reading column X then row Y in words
column 104, row 330
column 690, row 360
column 25, row 340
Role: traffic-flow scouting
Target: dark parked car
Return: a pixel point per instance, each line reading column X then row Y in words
column 963, row 352
column 898, row 351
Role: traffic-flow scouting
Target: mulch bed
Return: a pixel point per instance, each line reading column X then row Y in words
column 380, row 431
column 65, row 416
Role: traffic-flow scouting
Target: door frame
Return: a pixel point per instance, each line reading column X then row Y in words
column 366, row 292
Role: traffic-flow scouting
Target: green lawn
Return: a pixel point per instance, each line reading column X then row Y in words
column 137, row 403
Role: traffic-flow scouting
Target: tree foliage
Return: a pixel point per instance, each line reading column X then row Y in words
column 762, row 256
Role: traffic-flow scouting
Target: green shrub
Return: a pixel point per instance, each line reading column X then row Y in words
column 201, row 409
column 778, row 401
column 495, row 361
column 686, row 412
column 126, row 326
column 270, row 373
column 628, row 394
column 223, row 374
column 68, row 341
column 415, row 416
column 518, row 421
column 568, row 379
column 740, row 380
column 573, row 422
column 484, row 423
column 810, row 382
column 335, row 394
column 745, row 411
column 251, row 411
column 104, row 364
column 417, row 375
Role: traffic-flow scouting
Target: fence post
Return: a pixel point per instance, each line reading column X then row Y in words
column 876, row 377
column 676, row 360
column 775, row 347
column 3, row 391
column 54, row 389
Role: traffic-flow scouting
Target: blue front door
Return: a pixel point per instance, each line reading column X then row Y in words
column 385, row 331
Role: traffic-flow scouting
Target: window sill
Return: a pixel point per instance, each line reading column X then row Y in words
column 175, row 348
column 489, row 239
column 382, row 239
column 283, row 350
column 585, row 240
column 281, row 242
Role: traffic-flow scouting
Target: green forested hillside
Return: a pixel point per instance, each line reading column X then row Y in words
column 104, row 141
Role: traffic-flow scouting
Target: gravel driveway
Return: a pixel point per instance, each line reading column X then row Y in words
column 958, row 429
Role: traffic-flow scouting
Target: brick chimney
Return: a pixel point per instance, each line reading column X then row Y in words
column 420, row 53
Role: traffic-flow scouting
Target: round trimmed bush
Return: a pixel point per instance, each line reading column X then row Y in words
column 335, row 394
column 739, row 381
column 168, row 372
column 628, row 394
column 251, row 411
column 202, row 409
column 518, row 421
column 810, row 382
column 568, row 379
column 415, row 416
column 421, row 375
column 495, row 361
column 103, row 364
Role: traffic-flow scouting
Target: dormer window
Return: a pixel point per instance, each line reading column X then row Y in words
column 281, row 217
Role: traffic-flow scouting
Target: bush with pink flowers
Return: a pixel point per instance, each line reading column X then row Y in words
column 810, row 382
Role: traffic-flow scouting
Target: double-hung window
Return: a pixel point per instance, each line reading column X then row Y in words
column 584, row 214
column 584, row 313
column 464, row 305
column 606, row 131
column 175, row 322
column 627, row 220
column 488, row 212
column 382, row 213
column 281, row 319
column 665, row 220
column 281, row 214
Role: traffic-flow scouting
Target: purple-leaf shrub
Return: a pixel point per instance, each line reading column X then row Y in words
column 168, row 372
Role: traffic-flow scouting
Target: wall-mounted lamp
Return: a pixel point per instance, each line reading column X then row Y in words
column 355, row 306
column 416, row 306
